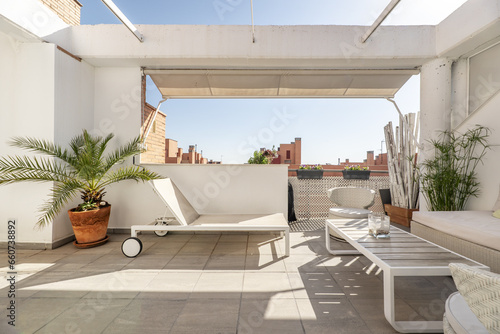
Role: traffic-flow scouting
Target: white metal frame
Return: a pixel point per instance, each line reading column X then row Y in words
column 284, row 230
column 390, row 273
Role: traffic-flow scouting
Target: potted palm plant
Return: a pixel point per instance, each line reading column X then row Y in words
column 81, row 169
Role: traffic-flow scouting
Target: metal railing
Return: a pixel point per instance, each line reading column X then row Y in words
column 311, row 200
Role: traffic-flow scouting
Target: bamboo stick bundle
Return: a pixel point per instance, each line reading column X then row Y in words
column 402, row 149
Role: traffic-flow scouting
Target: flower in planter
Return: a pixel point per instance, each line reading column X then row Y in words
column 355, row 167
column 313, row 167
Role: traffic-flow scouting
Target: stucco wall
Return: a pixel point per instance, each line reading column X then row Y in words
column 73, row 111
column 488, row 173
column 27, row 108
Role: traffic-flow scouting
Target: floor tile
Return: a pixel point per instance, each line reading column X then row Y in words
column 187, row 262
column 208, row 316
column 87, row 315
column 146, row 316
column 266, row 285
column 219, row 285
column 268, row 315
column 226, row 262
column 175, row 284
column 265, row 263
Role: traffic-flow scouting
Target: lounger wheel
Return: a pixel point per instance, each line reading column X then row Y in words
column 161, row 233
column 131, row 247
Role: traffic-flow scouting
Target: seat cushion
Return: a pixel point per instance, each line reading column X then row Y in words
column 349, row 213
column 460, row 318
column 481, row 290
column 478, row 227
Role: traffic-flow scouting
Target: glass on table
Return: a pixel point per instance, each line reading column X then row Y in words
column 379, row 225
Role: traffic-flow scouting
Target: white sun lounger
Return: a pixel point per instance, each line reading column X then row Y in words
column 186, row 218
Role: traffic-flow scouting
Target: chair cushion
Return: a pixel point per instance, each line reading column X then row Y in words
column 352, row 197
column 481, row 291
column 349, row 212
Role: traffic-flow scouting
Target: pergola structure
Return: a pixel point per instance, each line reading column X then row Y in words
column 58, row 79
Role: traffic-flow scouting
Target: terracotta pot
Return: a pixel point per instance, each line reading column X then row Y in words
column 399, row 215
column 90, row 226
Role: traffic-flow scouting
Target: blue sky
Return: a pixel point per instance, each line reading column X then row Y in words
column 330, row 129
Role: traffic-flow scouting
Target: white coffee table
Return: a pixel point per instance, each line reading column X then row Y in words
column 403, row 254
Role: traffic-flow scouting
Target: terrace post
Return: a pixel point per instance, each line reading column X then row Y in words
column 435, row 105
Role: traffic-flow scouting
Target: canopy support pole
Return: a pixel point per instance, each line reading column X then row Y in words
column 380, row 19
column 119, row 14
column 253, row 27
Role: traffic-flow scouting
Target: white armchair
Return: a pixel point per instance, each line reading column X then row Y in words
column 353, row 203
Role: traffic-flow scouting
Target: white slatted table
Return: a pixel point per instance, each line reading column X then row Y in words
column 403, row 254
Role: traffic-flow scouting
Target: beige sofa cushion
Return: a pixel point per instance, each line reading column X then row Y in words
column 478, row 227
column 481, row 291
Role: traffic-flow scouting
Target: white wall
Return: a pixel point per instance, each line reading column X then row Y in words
column 488, row 173
column 27, row 108
column 73, row 112
column 211, row 189
column 117, row 109
column 48, row 95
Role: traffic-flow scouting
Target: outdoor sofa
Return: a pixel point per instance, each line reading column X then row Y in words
column 474, row 234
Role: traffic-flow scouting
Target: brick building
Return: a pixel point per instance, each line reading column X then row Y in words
column 289, row 153
column 155, row 142
column 371, row 160
column 175, row 155
column 67, row 10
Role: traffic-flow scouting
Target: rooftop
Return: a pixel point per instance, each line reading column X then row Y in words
column 178, row 285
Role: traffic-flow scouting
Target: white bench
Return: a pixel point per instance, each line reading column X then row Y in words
column 403, row 254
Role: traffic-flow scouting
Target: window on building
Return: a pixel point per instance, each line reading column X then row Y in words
column 484, row 77
column 288, row 154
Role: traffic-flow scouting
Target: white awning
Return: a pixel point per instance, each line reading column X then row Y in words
column 279, row 83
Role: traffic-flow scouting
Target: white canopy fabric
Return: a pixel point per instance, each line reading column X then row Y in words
column 261, row 83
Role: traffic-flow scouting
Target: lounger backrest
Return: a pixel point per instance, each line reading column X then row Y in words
column 175, row 201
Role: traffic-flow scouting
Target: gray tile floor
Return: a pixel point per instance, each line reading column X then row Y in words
column 210, row 283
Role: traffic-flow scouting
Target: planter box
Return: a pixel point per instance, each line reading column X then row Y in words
column 356, row 174
column 309, row 174
column 399, row 215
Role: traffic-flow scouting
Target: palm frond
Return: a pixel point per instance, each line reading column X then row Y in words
column 103, row 144
column 62, row 192
column 130, row 149
column 42, row 146
column 16, row 168
column 129, row 173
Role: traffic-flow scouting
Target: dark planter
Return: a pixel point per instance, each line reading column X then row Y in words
column 356, row 174
column 90, row 227
column 385, row 197
column 303, row 174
